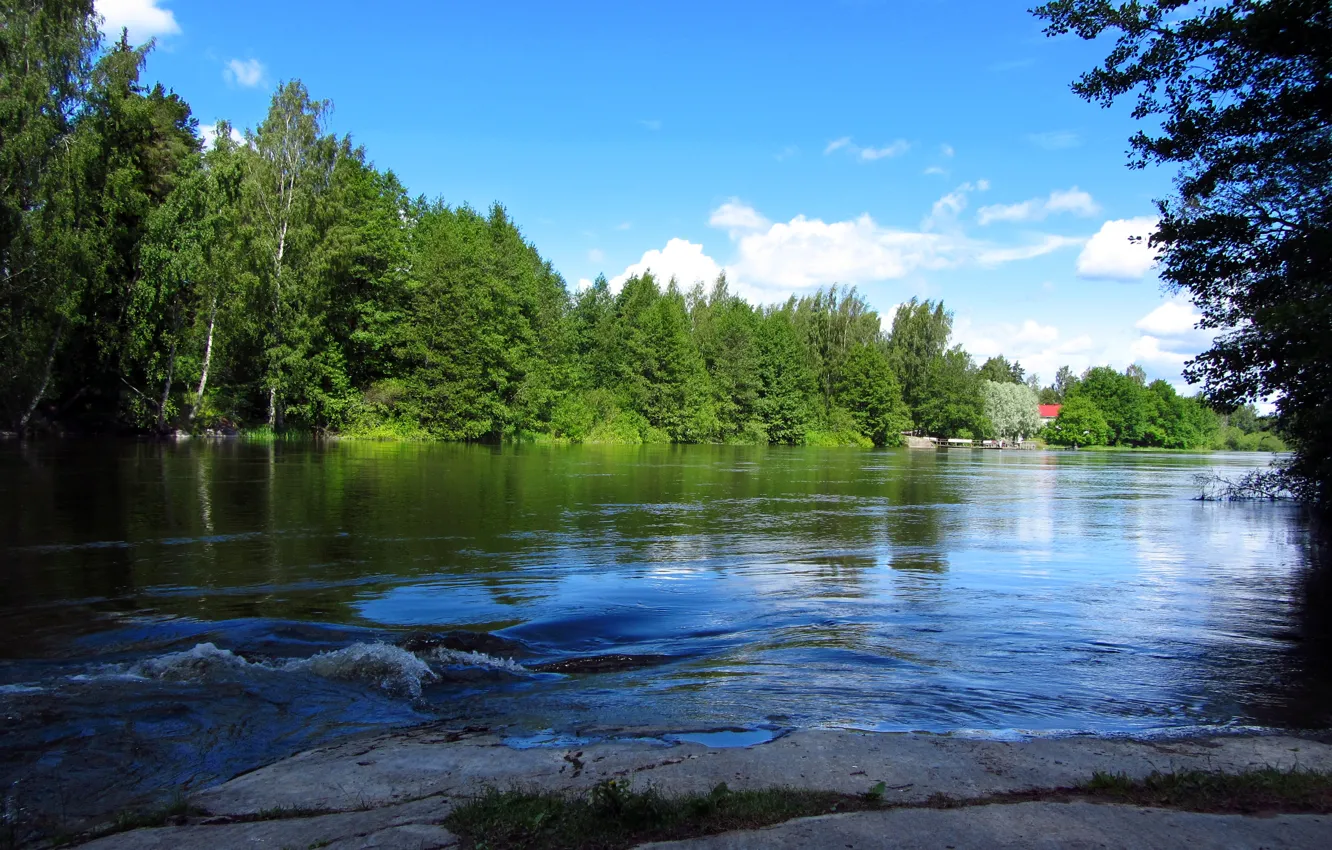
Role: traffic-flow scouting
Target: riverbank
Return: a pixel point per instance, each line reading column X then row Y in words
column 400, row 789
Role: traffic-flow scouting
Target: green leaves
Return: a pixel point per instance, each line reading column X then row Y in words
column 1239, row 98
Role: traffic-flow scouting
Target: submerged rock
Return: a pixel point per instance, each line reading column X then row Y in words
column 602, row 663
column 459, row 640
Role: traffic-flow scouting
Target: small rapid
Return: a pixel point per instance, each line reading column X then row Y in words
column 379, row 666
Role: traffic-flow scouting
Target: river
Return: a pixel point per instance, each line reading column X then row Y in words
column 175, row 614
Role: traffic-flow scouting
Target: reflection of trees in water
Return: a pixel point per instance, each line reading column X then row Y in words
column 916, row 524
column 838, row 575
column 1303, row 697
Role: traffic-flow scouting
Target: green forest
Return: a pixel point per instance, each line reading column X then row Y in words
column 276, row 282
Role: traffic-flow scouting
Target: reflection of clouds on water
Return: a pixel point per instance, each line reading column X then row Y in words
column 954, row 590
column 453, row 602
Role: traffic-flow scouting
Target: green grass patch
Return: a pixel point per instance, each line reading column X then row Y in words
column 612, row 815
column 1265, row 790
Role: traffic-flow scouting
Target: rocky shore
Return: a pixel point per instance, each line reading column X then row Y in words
column 396, row 790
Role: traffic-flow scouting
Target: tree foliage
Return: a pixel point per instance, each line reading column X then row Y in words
column 278, row 280
column 1237, row 98
column 1012, row 408
column 1080, row 423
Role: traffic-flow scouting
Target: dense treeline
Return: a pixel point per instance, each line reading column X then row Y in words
column 279, row 281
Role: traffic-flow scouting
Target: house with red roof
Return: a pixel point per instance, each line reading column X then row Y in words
column 1049, row 412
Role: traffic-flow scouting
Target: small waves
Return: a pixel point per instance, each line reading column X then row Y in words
column 389, row 668
column 383, row 667
column 203, row 663
column 457, row 657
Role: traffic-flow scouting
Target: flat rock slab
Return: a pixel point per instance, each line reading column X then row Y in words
column 433, row 762
column 1029, row 825
column 412, row 826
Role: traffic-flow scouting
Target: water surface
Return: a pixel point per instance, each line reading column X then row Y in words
column 176, row 614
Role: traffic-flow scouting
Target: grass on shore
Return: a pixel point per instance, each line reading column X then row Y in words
column 1265, row 790
column 612, row 815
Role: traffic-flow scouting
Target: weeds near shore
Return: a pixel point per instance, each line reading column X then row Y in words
column 1265, row 790
column 1270, row 485
column 612, row 815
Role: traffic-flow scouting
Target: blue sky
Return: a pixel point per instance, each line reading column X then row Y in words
column 909, row 147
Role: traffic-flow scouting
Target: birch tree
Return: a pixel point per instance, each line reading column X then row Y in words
column 291, row 168
column 190, row 274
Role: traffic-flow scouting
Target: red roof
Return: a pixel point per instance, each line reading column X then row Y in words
column 1050, row 411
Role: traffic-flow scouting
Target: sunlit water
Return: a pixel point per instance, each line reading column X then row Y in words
column 176, row 614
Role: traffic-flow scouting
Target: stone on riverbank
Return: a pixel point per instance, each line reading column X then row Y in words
column 385, row 784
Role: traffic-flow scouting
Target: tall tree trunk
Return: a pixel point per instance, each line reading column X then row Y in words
column 46, row 378
column 166, row 389
column 274, row 418
column 208, row 359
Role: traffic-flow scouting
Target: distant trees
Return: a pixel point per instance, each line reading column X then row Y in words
column 1080, row 423
column 1105, row 407
column 999, row 370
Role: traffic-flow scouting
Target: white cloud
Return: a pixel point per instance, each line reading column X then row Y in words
column 946, row 150
column 1056, row 140
column 144, row 19
column 624, row 225
column 208, row 132
column 808, row 252
column 1111, row 255
column 777, row 259
column 735, row 216
column 1147, row 351
column 1170, row 335
column 1040, row 348
column 837, row 144
column 247, row 73
column 1047, row 245
column 936, row 170
column 771, row 260
column 596, row 255
column 1025, row 211
column 1163, row 341
column 895, row 148
column 680, row 259
column 1074, row 201
column 1173, row 318
column 944, row 214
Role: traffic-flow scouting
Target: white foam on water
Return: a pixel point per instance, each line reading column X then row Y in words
column 383, row 666
column 199, row 664
column 390, row 668
column 456, row 657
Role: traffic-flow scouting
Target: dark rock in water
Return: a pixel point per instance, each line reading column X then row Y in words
column 602, row 663
column 464, row 641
